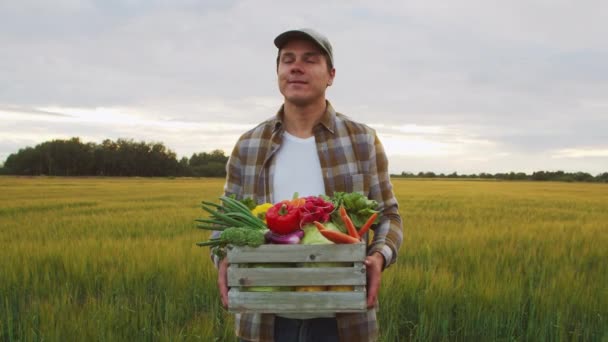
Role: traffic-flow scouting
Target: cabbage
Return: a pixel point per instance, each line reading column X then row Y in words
column 332, row 226
column 312, row 236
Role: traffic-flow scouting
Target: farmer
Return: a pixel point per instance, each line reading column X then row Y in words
column 311, row 149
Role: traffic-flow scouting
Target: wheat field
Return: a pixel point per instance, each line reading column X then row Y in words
column 114, row 259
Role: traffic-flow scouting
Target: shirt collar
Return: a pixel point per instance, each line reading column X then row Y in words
column 327, row 120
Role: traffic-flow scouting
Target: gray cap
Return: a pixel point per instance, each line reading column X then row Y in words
column 308, row 34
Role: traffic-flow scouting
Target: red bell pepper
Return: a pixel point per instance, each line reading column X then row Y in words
column 283, row 218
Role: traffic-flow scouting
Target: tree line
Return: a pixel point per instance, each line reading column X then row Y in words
column 559, row 176
column 123, row 157
column 127, row 158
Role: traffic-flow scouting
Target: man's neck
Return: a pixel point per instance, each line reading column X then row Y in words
column 299, row 121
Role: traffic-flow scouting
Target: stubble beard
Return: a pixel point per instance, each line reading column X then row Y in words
column 303, row 101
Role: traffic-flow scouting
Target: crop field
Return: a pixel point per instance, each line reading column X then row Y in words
column 105, row 259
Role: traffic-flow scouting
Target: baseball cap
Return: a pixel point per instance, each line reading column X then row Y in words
column 308, row 34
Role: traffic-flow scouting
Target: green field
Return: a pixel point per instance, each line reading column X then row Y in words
column 107, row 259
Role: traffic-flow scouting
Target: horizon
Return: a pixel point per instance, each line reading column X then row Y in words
column 402, row 173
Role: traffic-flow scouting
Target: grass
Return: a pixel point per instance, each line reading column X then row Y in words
column 114, row 259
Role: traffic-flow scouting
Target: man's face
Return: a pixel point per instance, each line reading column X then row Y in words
column 302, row 71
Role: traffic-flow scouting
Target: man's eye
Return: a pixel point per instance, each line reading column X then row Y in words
column 311, row 59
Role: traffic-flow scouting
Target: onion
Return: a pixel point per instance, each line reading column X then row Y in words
column 287, row 239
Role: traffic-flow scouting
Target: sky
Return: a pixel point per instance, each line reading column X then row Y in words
column 468, row 86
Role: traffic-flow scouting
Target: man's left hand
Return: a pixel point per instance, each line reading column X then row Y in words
column 373, row 264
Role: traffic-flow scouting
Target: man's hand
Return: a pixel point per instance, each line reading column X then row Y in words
column 222, row 281
column 373, row 264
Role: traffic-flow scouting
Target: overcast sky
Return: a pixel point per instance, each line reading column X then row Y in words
column 467, row 86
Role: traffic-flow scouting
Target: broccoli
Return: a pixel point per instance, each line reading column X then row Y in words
column 234, row 235
column 255, row 238
column 238, row 236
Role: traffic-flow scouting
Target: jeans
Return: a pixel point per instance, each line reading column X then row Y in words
column 305, row 330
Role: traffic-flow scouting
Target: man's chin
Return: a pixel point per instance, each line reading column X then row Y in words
column 300, row 101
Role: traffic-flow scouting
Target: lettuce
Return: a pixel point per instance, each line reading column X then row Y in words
column 358, row 207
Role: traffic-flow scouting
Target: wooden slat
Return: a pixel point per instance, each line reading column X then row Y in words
column 362, row 287
column 300, row 302
column 297, row 253
column 297, row 265
column 296, row 276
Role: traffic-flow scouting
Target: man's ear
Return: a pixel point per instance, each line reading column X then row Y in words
column 332, row 75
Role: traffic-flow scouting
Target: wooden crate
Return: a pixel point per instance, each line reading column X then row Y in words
column 240, row 277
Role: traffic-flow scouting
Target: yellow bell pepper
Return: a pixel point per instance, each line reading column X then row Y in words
column 310, row 288
column 340, row 288
column 260, row 210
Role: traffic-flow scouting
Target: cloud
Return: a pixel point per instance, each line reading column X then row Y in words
column 8, row 110
column 581, row 153
column 98, row 124
column 471, row 85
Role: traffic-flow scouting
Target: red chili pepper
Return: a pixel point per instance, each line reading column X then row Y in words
column 283, row 218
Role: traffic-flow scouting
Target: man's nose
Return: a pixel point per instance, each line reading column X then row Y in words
column 296, row 67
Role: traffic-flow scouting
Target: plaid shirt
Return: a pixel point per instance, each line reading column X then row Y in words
column 352, row 160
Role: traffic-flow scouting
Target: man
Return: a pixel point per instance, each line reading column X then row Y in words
column 310, row 149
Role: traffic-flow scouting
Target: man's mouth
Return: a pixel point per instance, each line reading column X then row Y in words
column 297, row 82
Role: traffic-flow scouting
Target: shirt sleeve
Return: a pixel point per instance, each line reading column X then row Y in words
column 388, row 233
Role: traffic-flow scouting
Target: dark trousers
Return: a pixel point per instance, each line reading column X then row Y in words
column 305, row 330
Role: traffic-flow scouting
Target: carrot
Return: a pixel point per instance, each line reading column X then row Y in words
column 352, row 231
column 298, row 202
column 334, row 236
column 337, row 237
column 319, row 225
column 368, row 224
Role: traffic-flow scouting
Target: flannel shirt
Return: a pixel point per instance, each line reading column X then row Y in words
column 352, row 160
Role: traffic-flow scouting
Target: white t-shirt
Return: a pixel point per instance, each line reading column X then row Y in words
column 297, row 169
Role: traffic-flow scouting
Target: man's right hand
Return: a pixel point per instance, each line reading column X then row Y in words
column 222, row 281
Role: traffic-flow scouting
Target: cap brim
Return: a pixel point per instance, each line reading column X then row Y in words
column 285, row 37
column 309, row 35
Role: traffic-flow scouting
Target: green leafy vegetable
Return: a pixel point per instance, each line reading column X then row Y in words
column 358, row 207
column 238, row 236
column 312, row 236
